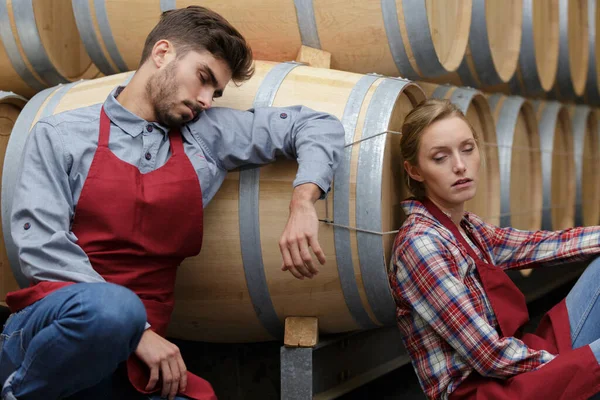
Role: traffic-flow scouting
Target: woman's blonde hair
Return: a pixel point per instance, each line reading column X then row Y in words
column 418, row 119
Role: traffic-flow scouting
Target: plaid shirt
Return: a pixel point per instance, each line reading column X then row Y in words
column 445, row 317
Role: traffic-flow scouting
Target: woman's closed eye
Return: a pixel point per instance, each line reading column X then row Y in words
column 438, row 158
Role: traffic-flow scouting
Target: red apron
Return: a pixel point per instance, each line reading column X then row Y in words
column 573, row 375
column 136, row 229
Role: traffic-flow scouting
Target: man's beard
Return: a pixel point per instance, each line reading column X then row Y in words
column 161, row 89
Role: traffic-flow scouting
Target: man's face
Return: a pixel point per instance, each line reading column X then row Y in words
column 186, row 86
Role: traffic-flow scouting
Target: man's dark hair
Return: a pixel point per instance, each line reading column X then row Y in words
column 198, row 28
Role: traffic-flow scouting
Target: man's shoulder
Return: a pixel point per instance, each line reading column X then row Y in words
column 76, row 118
column 215, row 115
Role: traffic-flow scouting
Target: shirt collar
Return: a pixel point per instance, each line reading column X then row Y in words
column 125, row 119
column 414, row 206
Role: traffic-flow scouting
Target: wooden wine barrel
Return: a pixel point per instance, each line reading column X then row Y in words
column 474, row 105
column 494, row 43
column 538, row 57
column 558, row 165
column 592, row 86
column 573, row 55
column 410, row 39
column 40, row 46
column 519, row 160
column 235, row 291
column 586, row 145
column 10, row 107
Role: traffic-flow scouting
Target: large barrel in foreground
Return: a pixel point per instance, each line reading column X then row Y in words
column 10, row 107
column 473, row 104
column 235, row 291
column 40, row 46
column 407, row 38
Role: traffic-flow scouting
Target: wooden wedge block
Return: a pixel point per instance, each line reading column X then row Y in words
column 314, row 57
column 301, row 332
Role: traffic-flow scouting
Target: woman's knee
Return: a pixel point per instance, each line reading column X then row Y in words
column 595, row 261
column 592, row 271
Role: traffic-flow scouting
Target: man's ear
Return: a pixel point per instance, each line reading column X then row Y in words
column 413, row 171
column 162, row 53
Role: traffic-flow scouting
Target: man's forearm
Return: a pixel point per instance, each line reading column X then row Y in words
column 306, row 193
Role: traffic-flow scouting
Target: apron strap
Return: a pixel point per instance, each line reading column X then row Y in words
column 104, row 129
column 176, row 142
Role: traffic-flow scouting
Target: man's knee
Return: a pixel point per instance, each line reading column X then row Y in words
column 113, row 312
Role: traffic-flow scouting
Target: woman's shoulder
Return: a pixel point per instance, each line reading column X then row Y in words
column 419, row 230
column 477, row 221
column 419, row 246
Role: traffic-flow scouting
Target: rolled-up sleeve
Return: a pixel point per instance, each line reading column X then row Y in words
column 514, row 249
column 42, row 212
column 258, row 136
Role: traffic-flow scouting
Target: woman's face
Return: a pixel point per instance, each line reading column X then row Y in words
column 448, row 162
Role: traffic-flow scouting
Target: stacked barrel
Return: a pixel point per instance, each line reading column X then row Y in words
column 524, row 72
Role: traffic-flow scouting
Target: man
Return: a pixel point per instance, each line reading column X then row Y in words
column 110, row 198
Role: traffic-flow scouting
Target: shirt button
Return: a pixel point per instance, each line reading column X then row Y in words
column 283, row 115
column 148, row 156
column 149, row 128
column 27, row 226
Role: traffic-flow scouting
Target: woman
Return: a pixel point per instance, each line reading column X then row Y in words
column 459, row 313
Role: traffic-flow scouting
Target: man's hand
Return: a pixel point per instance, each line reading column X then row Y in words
column 302, row 232
column 163, row 357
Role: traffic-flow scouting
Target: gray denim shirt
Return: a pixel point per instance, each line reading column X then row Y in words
column 60, row 149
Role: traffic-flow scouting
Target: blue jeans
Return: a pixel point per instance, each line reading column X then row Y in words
column 583, row 307
column 70, row 342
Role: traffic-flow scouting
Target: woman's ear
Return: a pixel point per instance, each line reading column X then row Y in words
column 413, row 171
